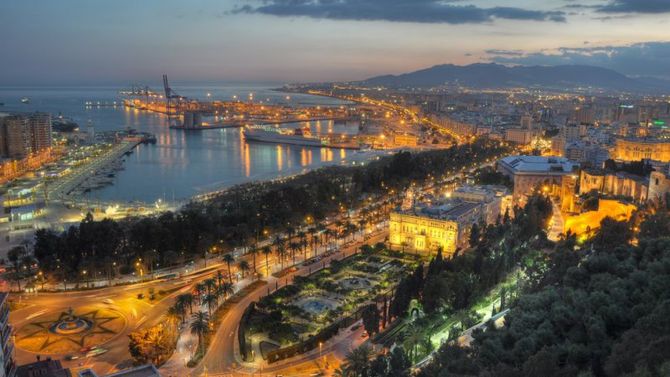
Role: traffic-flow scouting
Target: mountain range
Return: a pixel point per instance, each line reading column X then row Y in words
column 491, row 75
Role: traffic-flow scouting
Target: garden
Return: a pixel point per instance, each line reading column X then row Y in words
column 316, row 306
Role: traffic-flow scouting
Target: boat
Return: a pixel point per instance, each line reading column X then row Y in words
column 25, row 100
column 299, row 136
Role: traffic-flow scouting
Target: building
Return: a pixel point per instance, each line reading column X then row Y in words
column 43, row 368
column 22, row 135
column 552, row 175
column 424, row 228
column 558, row 145
column 636, row 149
column 518, row 135
column 586, row 153
column 527, row 122
column 6, row 343
column 494, row 199
column 659, row 186
column 141, row 371
column 614, row 184
column 574, row 132
column 405, row 140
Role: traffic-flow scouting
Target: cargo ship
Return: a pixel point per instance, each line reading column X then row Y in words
column 299, row 136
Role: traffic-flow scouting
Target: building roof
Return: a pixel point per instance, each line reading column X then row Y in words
column 43, row 368
column 539, row 164
column 141, row 371
column 446, row 210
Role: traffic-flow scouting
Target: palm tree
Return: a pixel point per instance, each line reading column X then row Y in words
column 225, row 290
column 209, row 300
column 267, row 251
column 229, row 258
column 243, row 266
column 210, row 284
column 302, row 236
column 186, row 299
column 199, row 291
column 177, row 311
column 294, row 246
column 254, row 251
column 219, row 277
column 200, row 327
column 357, row 360
column 281, row 252
column 314, row 239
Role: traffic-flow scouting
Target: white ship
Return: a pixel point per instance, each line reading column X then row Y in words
column 299, row 136
column 25, row 100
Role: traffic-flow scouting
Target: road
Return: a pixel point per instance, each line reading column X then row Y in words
column 222, row 357
column 223, row 354
column 124, row 302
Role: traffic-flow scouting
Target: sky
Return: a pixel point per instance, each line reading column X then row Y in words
column 79, row 42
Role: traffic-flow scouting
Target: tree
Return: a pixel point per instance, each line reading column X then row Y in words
column 15, row 256
column 398, row 363
column 474, row 235
column 371, row 319
column 210, row 300
column 254, row 251
column 210, row 285
column 243, row 266
column 267, row 251
column 200, row 327
column 226, row 289
column 229, row 258
column 185, row 300
column 414, row 337
column 177, row 310
column 357, row 361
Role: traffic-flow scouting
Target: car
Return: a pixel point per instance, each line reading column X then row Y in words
column 96, row 351
column 71, row 357
column 108, row 301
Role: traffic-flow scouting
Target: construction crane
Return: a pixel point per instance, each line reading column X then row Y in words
column 170, row 95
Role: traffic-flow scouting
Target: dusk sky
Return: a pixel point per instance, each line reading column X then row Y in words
column 47, row 42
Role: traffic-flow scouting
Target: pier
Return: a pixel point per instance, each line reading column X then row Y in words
column 63, row 187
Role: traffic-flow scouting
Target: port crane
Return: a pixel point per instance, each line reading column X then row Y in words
column 170, row 97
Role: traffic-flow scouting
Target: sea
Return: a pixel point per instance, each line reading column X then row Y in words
column 182, row 163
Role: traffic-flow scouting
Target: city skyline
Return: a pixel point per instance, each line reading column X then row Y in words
column 74, row 42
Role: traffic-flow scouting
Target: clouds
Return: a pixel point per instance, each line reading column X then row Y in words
column 635, row 6
column 640, row 59
column 420, row 11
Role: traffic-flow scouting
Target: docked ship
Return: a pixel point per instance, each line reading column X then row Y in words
column 299, row 136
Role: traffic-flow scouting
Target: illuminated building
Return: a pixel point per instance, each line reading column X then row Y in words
column 426, row 227
column 24, row 134
column 405, row 140
column 518, row 135
column 573, row 132
column 613, row 183
column 586, row 153
column 552, row 175
column 8, row 368
column 526, row 122
column 636, row 149
column 659, row 186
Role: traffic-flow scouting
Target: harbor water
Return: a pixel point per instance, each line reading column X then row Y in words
column 185, row 163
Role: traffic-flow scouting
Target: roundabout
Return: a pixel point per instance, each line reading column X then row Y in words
column 70, row 330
